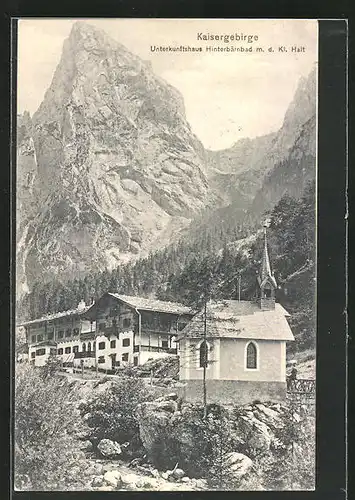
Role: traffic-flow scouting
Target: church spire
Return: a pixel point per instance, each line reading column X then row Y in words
column 266, row 280
column 265, row 262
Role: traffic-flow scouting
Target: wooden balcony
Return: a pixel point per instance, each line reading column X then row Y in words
column 87, row 335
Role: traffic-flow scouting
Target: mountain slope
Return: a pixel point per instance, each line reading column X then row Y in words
column 117, row 168
column 238, row 172
column 254, row 174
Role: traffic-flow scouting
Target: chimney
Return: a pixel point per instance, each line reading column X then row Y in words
column 81, row 305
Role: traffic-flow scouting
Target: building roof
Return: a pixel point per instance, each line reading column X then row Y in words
column 48, row 317
column 45, row 343
column 144, row 304
column 244, row 319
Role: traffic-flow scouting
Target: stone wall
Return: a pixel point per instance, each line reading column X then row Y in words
column 234, row 392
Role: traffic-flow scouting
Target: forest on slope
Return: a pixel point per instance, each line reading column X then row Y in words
column 183, row 270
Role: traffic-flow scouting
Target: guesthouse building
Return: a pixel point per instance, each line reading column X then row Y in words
column 131, row 330
column 67, row 334
column 115, row 331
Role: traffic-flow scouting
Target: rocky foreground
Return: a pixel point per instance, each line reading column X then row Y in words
column 169, row 430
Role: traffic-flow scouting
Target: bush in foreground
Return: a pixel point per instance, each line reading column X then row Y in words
column 111, row 414
column 45, row 419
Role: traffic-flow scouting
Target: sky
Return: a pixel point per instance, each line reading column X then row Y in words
column 227, row 95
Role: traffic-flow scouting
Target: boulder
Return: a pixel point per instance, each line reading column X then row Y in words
column 113, row 478
column 85, row 445
column 170, row 406
column 255, row 433
column 185, row 479
column 178, row 473
column 153, row 426
column 146, row 483
column 109, row 448
column 97, row 481
column 238, row 464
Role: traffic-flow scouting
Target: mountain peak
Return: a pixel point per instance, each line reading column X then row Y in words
column 83, row 29
column 84, row 35
column 117, row 166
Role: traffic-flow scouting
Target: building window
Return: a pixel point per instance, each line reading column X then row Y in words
column 39, row 338
column 67, row 350
column 101, row 359
column 40, row 352
column 84, row 347
column 89, row 346
column 113, row 344
column 165, row 344
column 135, row 361
column 251, row 356
column 126, row 342
column 33, row 354
column 93, row 346
column 53, row 351
column 75, row 348
column 203, row 354
column 76, row 331
column 102, row 345
column 125, row 356
column 33, row 338
column 60, row 350
column 267, row 292
column 126, row 323
column 60, row 334
column 50, row 335
column 68, row 332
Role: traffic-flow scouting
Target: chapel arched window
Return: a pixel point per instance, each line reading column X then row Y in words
column 252, row 356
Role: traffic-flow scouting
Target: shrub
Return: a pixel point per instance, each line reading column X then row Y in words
column 292, row 465
column 212, row 441
column 51, row 367
column 45, row 421
column 110, row 415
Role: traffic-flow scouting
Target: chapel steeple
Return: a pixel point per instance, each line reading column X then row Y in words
column 266, row 280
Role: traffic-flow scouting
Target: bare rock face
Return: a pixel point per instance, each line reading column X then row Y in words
column 108, row 160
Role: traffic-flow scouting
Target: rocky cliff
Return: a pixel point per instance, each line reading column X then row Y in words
column 109, row 169
column 108, row 160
